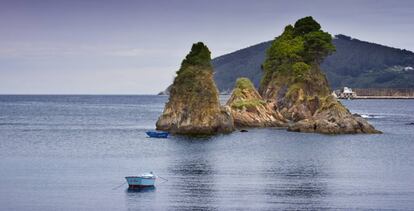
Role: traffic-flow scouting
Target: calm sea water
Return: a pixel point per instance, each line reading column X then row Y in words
column 71, row 153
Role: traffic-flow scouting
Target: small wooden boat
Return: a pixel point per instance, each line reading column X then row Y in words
column 141, row 181
column 157, row 134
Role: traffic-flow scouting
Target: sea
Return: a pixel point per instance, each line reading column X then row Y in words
column 73, row 152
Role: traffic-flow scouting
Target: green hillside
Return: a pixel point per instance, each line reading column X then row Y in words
column 355, row 63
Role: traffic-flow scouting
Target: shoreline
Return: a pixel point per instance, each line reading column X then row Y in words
column 380, row 97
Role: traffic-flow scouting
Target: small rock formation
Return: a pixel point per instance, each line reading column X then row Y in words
column 193, row 107
column 295, row 84
column 249, row 109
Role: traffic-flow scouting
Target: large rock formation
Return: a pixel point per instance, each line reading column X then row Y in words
column 249, row 109
column 294, row 82
column 193, row 106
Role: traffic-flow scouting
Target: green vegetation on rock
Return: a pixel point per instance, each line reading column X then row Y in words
column 247, row 104
column 306, row 25
column 249, row 109
column 244, row 83
column 244, row 95
column 295, row 51
column 294, row 82
column 193, row 106
column 199, row 55
column 301, row 70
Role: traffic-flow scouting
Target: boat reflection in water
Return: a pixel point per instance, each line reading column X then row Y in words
column 141, row 189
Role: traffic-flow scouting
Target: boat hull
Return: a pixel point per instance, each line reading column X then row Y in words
column 157, row 134
column 140, row 182
column 140, row 186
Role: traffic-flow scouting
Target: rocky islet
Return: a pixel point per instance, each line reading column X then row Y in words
column 294, row 92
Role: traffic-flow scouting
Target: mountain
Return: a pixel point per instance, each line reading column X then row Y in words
column 356, row 64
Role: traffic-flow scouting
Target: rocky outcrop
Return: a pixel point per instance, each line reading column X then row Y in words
column 295, row 84
column 294, row 92
column 333, row 118
column 193, row 106
column 249, row 109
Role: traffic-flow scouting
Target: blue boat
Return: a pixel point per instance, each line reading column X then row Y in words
column 141, row 181
column 156, row 134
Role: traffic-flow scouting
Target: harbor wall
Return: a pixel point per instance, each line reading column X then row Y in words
column 383, row 93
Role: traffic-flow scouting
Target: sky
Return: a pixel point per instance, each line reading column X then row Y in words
column 135, row 47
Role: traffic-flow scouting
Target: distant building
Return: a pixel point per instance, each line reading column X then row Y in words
column 346, row 93
column 408, row 68
column 347, row 90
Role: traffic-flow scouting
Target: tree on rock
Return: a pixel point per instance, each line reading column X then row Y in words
column 317, row 45
column 306, row 25
column 193, row 106
column 295, row 84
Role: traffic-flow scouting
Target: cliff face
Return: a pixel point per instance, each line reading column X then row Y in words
column 249, row 109
column 193, row 106
column 297, row 99
column 294, row 82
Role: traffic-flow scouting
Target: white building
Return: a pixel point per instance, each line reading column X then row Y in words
column 347, row 90
column 346, row 93
column 408, row 68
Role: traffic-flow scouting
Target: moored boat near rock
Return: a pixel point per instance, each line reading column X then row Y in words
column 157, row 134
